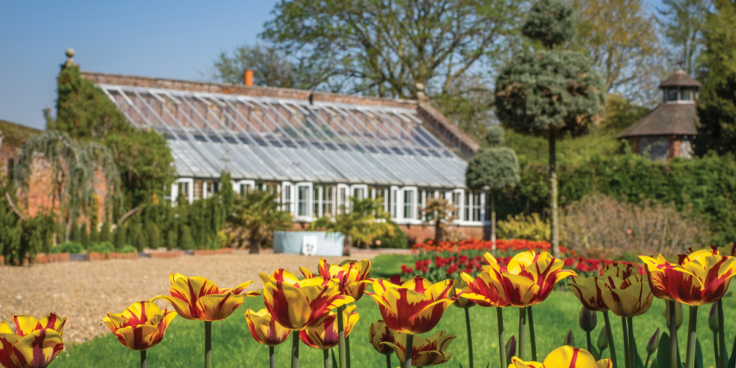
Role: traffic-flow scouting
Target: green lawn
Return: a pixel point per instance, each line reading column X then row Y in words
column 387, row 265
column 234, row 347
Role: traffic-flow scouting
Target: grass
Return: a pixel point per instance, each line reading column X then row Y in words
column 387, row 265
column 233, row 346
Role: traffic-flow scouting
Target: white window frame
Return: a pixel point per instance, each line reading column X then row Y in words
column 310, row 201
column 393, row 207
column 458, row 206
column 338, row 200
column 249, row 184
column 288, row 187
column 175, row 190
column 364, row 187
column 412, row 218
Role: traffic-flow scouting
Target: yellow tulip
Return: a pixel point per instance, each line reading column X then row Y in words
column 564, row 357
column 351, row 275
column 301, row 304
column 264, row 328
column 628, row 295
column 198, row 298
column 414, row 307
column 378, row 334
column 35, row 343
column 461, row 287
column 141, row 326
column 424, row 353
column 701, row 277
column 589, row 291
column 324, row 335
column 528, row 279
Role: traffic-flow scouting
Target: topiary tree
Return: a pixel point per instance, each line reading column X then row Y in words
column 438, row 211
column 551, row 91
column 105, row 233
column 496, row 169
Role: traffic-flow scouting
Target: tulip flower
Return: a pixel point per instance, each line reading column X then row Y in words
column 482, row 291
column 527, row 280
column 590, row 293
column 141, row 326
column 266, row 331
column 34, row 344
column 464, row 303
column 324, row 335
column 424, row 353
column 564, row 357
column 352, row 277
column 378, row 334
column 197, row 298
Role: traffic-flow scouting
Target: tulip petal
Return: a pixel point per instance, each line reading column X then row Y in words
column 37, row 349
column 288, row 306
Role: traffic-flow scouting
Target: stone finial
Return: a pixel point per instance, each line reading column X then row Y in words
column 420, row 91
column 69, row 55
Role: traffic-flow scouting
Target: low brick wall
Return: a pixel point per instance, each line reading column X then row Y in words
column 95, row 256
column 52, row 258
column 208, row 252
column 132, row 255
column 169, row 254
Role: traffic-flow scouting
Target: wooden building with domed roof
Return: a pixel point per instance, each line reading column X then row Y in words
column 669, row 130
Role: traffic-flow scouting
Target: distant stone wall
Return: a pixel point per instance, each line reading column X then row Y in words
column 663, row 147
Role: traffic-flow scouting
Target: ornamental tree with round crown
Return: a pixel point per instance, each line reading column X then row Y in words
column 550, row 91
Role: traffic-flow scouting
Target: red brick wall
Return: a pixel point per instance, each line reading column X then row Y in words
column 6, row 153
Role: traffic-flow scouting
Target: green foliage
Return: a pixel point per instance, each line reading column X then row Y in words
column 101, row 248
column 185, row 238
column 68, row 247
column 550, row 22
column 256, row 217
column 708, row 184
column 531, row 227
column 105, row 235
column 364, row 221
column 171, row 239
column 84, row 236
column 398, row 240
column 134, row 235
column 548, row 91
column 495, row 168
column 75, row 235
column 128, row 249
column 271, row 68
column 495, row 136
column 621, row 113
column 154, row 236
column 15, row 134
column 121, row 236
column 570, row 149
column 226, row 192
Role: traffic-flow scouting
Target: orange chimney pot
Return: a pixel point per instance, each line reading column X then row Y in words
column 248, row 78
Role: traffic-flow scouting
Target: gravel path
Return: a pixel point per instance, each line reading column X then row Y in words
column 85, row 291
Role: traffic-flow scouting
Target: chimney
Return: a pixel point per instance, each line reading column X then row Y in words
column 248, row 78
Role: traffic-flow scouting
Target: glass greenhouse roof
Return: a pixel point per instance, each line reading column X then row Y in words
column 265, row 138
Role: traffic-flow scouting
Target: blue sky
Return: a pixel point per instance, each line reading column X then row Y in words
column 163, row 38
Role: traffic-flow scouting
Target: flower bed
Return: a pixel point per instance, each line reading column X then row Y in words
column 437, row 262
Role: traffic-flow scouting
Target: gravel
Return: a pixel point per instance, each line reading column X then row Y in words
column 85, row 291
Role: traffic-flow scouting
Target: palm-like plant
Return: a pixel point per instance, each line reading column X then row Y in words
column 364, row 221
column 256, row 217
column 440, row 212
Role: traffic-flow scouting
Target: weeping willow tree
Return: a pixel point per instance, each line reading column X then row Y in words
column 73, row 168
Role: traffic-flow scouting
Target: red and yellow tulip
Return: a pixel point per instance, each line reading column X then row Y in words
column 264, row 328
column 589, row 291
column 564, row 357
column 528, row 279
column 424, row 352
column 141, row 326
column 35, row 343
column 297, row 305
column 414, row 307
column 324, row 335
column 378, row 334
column 351, row 275
column 481, row 291
column 627, row 296
column 701, row 278
column 198, row 298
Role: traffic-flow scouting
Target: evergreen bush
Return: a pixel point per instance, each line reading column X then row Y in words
column 105, row 233
column 101, row 248
column 154, row 237
column 83, row 236
column 170, row 239
column 69, row 247
column 399, row 240
column 120, row 236
column 185, row 238
column 128, row 249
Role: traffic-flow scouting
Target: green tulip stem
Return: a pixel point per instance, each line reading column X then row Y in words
column 531, row 333
column 295, row 350
column 341, row 337
column 588, row 341
column 609, row 337
column 674, row 356
column 715, row 348
column 388, row 360
column 721, row 334
column 326, row 357
column 347, row 349
column 271, row 357
column 408, row 353
column 470, row 337
column 691, row 337
column 522, row 333
column 646, row 363
column 501, row 338
column 632, row 344
column 144, row 362
column 207, row 344
column 627, row 353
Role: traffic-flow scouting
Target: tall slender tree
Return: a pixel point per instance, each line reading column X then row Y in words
column 682, row 23
column 550, row 91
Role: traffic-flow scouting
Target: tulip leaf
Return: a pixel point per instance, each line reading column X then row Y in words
column 334, row 361
column 595, row 352
column 663, row 351
column 732, row 361
column 698, row 354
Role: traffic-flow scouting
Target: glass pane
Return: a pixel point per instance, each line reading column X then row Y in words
column 302, row 198
column 317, row 199
column 392, row 202
column 671, row 94
column 457, row 199
column 327, row 201
column 686, row 95
column 408, row 203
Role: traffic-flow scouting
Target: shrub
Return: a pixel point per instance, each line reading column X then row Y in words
column 154, row 236
column 101, row 248
column 69, row 247
column 524, row 227
column 128, row 249
column 120, row 236
column 185, row 239
column 599, row 225
column 105, row 233
column 170, row 239
column 83, row 236
column 399, row 240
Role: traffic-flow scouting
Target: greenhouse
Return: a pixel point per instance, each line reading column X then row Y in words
column 316, row 154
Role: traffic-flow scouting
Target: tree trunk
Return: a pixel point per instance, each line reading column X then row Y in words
column 493, row 220
column 346, row 246
column 255, row 246
column 438, row 230
column 554, row 225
